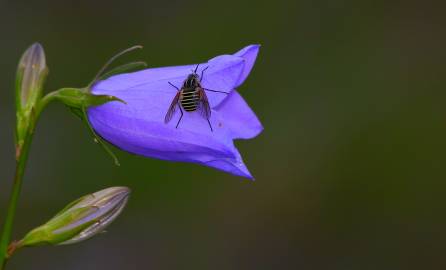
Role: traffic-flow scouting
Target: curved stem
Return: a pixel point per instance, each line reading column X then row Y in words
column 22, row 157
column 22, row 151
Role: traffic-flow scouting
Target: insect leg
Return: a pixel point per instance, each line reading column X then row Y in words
column 174, row 86
column 181, row 117
column 210, row 125
column 210, row 90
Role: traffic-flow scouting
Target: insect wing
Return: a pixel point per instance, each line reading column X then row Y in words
column 205, row 108
column 172, row 108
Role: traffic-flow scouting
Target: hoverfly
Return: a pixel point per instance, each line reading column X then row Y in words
column 191, row 97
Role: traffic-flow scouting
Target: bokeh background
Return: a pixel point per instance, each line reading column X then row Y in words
column 350, row 169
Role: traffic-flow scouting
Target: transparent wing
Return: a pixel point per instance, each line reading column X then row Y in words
column 205, row 108
column 172, row 108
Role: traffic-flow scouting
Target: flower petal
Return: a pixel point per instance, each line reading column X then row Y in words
column 126, row 128
column 239, row 118
column 248, row 53
column 222, row 74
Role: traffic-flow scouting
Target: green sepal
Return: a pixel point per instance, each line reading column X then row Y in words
column 98, row 139
column 73, row 203
column 77, row 112
column 78, row 100
column 100, row 74
column 81, row 98
column 47, row 233
column 123, row 69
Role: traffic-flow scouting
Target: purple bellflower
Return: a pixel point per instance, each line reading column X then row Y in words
column 138, row 126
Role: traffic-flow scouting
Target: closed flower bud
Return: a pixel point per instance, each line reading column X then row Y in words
column 31, row 74
column 80, row 220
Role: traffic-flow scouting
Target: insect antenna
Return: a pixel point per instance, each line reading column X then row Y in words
column 202, row 73
column 195, row 71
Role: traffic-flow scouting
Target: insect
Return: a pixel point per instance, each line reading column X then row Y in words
column 191, row 97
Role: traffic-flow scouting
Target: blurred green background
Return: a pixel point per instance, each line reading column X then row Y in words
column 350, row 170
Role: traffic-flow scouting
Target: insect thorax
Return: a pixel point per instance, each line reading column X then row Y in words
column 192, row 81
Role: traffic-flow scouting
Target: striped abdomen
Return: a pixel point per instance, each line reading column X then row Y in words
column 190, row 99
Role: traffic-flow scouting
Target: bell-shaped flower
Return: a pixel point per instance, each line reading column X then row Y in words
column 192, row 134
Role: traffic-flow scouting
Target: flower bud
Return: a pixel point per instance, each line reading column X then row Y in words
column 31, row 74
column 80, row 220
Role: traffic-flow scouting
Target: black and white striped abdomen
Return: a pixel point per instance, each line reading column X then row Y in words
column 190, row 100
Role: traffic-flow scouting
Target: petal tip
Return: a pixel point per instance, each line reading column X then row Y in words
column 249, row 55
column 260, row 129
column 249, row 52
column 254, row 46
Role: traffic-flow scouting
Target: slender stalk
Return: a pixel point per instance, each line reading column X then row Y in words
column 22, row 151
column 22, row 157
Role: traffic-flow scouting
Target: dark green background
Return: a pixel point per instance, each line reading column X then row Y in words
column 350, row 170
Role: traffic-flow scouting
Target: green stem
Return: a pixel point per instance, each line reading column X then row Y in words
column 22, row 151
column 22, row 157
